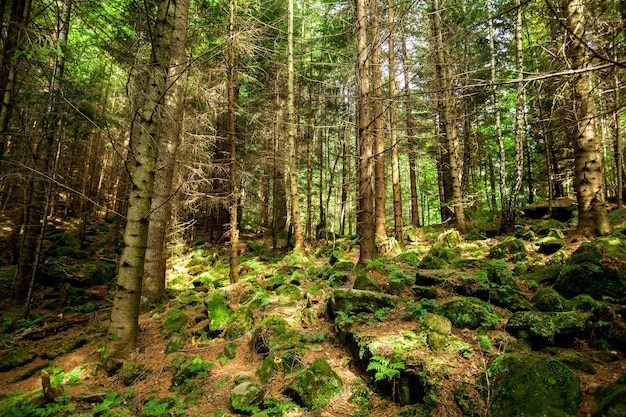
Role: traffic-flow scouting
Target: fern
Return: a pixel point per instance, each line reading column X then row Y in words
column 384, row 368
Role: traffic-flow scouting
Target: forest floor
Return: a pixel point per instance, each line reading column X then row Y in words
column 65, row 331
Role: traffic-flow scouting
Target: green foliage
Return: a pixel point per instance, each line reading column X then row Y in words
column 419, row 308
column 385, row 368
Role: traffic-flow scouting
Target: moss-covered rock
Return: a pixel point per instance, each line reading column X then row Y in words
column 245, row 396
column 218, row 312
column 358, row 301
column 132, row 372
column 597, row 268
column 583, row 302
column 315, row 385
column 548, row 245
column 437, row 329
column 188, row 371
column 572, row 358
column 423, row 291
column 543, row 274
column 611, row 400
column 267, row 368
column 511, row 249
column 548, row 299
column 289, row 291
column 174, row 344
column 365, row 283
column 274, row 334
column 470, row 313
column 529, row 385
column 549, row 329
column 239, row 323
column 15, row 357
column 174, row 321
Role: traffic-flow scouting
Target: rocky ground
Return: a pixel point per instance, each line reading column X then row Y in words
column 530, row 325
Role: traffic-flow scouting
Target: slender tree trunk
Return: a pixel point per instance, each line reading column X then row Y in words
column 153, row 287
column 291, row 131
column 617, row 133
column 124, row 325
column 510, row 210
column 35, row 217
column 345, row 180
column 496, row 107
column 380, row 182
column 309, row 182
column 20, row 15
column 408, row 111
column 232, row 139
column 446, row 112
column 588, row 169
column 365, row 199
column 393, row 129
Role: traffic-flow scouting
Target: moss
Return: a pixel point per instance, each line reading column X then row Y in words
column 529, row 385
column 315, row 385
column 239, row 323
column 548, row 299
column 357, row 301
column 363, row 282
column 132, row 372
column 584, row 302
column 611, row 400
column 218, row 311
column 175, row 320
column 188, row 371
column 14, row 358
column 548, row 245
column 558, row 328
column 245, row 396
column 267, row 368
column 289, row 291
column 470, row 313
column 511, row 248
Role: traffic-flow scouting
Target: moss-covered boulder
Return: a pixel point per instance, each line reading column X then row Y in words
column 510, row 249
column 365, row 283
column 543, row 274
column 245, row 396
column 288, row 291
column 267, row 368
column 315, row 385
column 274, row 334
column 188, row 370
column 239, row 323
column 549, row 329
column 15, row 357
column 548, row 245
column 437, row 329
column 611, row 400
column 174, row 321
column 573, row 359
column 174, row 344
column 529, row 385
column 470, row 313
column 597, row 268
column 439, row 258
column 359, row 301
column 548, row 299
column 218, row 312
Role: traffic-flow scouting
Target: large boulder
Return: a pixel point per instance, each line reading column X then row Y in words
column 549, row 329
column 529, row 385
column 315, row 385
column 470, row 313
column 597, row 268
column 245, row 396
column 359, row 301
column 218, row 312
column 611, row 400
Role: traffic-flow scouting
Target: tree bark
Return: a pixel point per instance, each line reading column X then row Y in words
column 588, row 169
column 291, row 132
column 365, row 199
column 510, row 209
column 153, row 287
column 393, row 130
column 380, row 182
column 445, row 100
column 231, row 65
column 408, row 111
column 124, row 325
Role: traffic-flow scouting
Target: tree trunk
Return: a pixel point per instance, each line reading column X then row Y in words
column 124, row 325
column 510, row 210
column 233, row 86
column 20, row 15
column 380, row 182
column 588, row 170
column 617, row 134
column 365, row 199
column 496, row 107
column 36, row 199
column 408, row 111
column 296, row 220
column 393, row 126
column 153, row 287
column 447, row 120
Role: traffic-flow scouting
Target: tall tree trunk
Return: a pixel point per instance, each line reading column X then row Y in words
column 617, row 133
column 345, row 180
column 232, row 139
column 291, row 132
column 309, row 180
column 510, row 210
column 588, row 170
column 393, row 130
column 124, row 325
column 365, row 199
column 446, row 113
column 496, row 106
column 20, row 15
column 380, row 182
column 36, row 199
column 408, row 111
column 153, row 287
